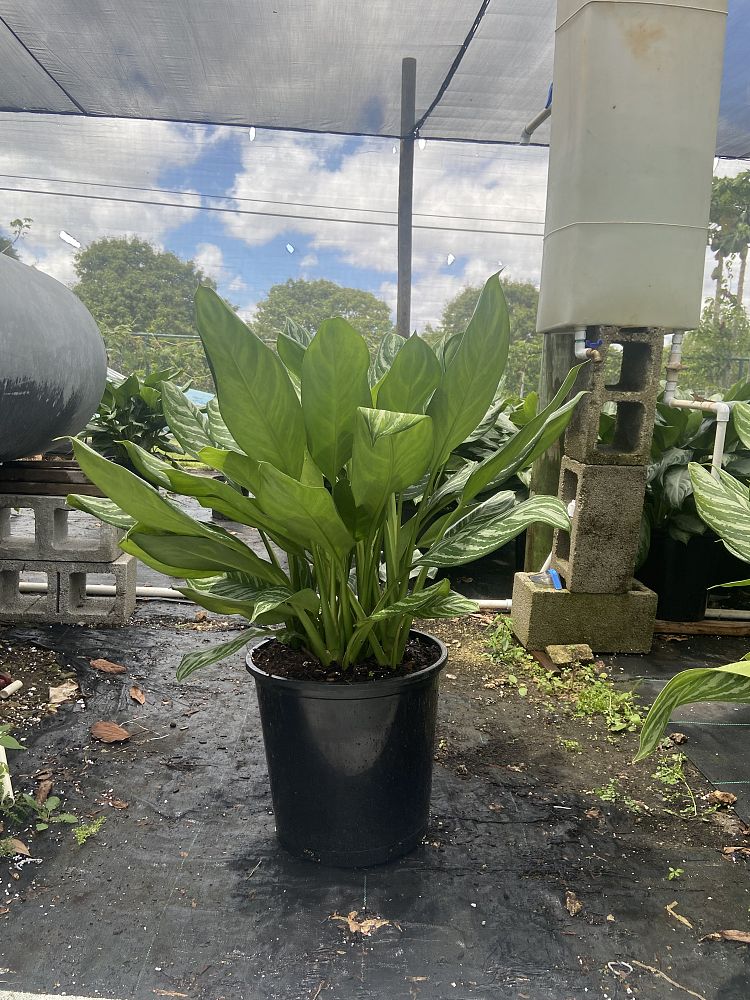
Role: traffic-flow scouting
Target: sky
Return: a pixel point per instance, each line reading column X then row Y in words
column 256, row 207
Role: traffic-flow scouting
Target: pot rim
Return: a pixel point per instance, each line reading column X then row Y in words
column 382, row 688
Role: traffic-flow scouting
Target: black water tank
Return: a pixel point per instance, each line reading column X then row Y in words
column 53, row 365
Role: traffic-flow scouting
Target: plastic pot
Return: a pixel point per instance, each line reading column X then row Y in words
column 350, row 765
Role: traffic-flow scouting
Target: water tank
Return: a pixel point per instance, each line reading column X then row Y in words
column 634, row 115
column 53, row 365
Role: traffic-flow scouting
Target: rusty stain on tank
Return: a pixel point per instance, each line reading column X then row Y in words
column 642, row 37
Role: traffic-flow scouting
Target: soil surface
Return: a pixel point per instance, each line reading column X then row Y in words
column 297, row 664
column 553, row 869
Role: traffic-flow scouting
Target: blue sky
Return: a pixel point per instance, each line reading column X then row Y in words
column 476, row 207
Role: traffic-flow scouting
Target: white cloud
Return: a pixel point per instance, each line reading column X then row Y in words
column 103, row 158
column 237, row 284
column 210, row 259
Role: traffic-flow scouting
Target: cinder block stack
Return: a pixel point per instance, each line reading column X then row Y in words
column 38, row 544
column 602, row 604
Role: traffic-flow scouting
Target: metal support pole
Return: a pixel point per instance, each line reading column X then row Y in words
column 405, row 193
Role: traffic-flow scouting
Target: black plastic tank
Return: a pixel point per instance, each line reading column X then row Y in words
column 53, row 365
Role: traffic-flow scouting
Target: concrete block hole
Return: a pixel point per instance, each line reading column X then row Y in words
column 17, row 528
column 629, row 427
column 628, row 366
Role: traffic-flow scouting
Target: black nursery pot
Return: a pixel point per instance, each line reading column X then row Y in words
column 350, row 765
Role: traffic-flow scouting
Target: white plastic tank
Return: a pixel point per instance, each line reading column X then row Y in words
column 634, row 115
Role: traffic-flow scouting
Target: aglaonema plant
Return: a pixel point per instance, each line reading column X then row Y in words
column 330, row 445
column 724, row 504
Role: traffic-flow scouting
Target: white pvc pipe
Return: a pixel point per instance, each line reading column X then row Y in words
column 495, row 605
column 582, row 352
column 534, row 124
column 108, row 590
column 6, row 788
column 728, row 614
column 720, row 409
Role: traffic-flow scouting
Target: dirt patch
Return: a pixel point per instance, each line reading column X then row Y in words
column 508, row 716
column 38, row 670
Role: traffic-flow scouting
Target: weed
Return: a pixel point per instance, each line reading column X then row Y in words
column 671, row 772
column 6, row 848
column 26, row 809
column 675, row 873
column 572, row 746
column 611, row 792
column 86, row 830
column 587, row 690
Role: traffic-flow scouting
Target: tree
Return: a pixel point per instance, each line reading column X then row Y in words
column 129, row 283
column 524, row 357
column 729, row 234
column 717, row 354
column 310, row 302
column 18, row 229
column 129, row 286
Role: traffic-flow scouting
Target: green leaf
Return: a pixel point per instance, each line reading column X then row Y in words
column 531, row 441
column 388, row 350
column 209, row 554
column 102, row 508
column 334, row 384
column 472, row 375
column 217, row 429
column 724, row 506
column 411, row 380
column 438, row 601
column 185, row 420
column 235, row 466
column 131, row 494
column 490, row 525
column 728, row 683
column 741, row 421
column 291, row 344
column 677, row 485
column 8, row 741
column 231, row 597
column 391, row 451
column 204, row 657
column 256, row 397
column 307, row 513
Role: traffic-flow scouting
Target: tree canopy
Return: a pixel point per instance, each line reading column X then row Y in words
column 525, row 354
column 310, row 302
column 131, row 287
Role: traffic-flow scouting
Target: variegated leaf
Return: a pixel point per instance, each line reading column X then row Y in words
column 741, row 421
column 185, row 420
column 728, row 683
column 217, row 429
column 724, row 506
column 205, row 657
column 488, row 526
column 102, row 508
column 438, row 601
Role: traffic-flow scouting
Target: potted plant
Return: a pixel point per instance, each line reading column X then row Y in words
column 680, row 556
column 724, row 504
column 330, row 445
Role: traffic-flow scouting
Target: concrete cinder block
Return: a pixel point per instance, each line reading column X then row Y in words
column 75, row 605
column 43, row 530
column 598, row 555
column 66, row 599
column 633, row 393
column 609, row 623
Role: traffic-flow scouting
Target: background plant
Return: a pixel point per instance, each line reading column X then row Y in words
column 331, row 444
column 132, row 411
column 724, row 504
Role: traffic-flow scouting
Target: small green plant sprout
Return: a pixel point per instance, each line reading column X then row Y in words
column 47, row 812
column 612, row 792
column 671, row 773
column 86, row 830
column 675, row 873
column 572, row 746
column 504, row 647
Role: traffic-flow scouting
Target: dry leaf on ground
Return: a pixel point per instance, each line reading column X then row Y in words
column 732, row 852
column 169, row 993
column 109, row 732
column 572, row 903
column 364, row 927
column 107, row 666
column 670, row 908
column 718, row 798
column 63, row 692
column 42, row 792
column 138, row 695
column 742, row 936
column 678, row 738
column 19, row 847
column 4, row 910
